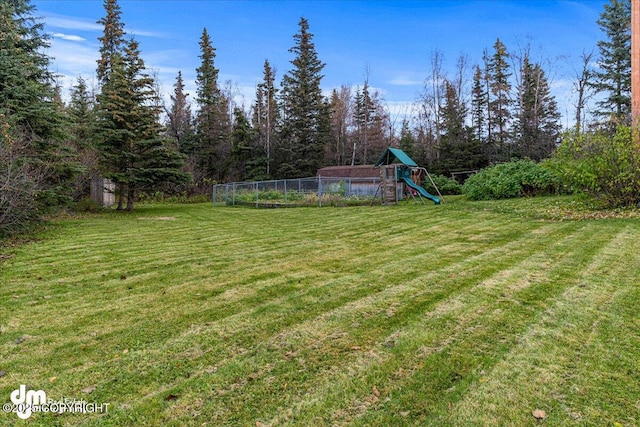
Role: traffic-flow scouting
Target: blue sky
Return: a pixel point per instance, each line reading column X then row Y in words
column 391, row 41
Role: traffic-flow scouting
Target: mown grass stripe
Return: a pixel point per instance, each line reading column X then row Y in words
column 403, row 363
column 542, row 368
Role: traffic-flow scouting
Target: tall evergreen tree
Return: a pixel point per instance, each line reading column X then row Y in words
column 82, row 122
column 179, row 118
column 134, row 154
column 242, row 144
column 27, row 90
column 33, row 136
column 407, row 139
column 112, row 44
column 538, row 120
column 213, row 124
column 265, row 121
column 458, row 149
column 306, row 118
column 180, row 129
column 479, row 103
column 614, row 76
column 80, row 110
column 377, row 128
column 112, row 40
column 500, row 102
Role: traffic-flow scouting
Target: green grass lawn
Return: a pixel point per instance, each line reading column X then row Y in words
column 462, row 314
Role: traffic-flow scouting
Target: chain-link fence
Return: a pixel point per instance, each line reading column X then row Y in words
column 316, row 191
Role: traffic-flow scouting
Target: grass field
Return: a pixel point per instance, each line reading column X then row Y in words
column 462, row 314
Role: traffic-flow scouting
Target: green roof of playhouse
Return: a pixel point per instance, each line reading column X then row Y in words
column 395, row 155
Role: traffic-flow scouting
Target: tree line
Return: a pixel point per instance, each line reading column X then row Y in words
column 504, row 110
column 483, row 114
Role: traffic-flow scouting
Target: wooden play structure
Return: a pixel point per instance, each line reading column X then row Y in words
column 396, row 167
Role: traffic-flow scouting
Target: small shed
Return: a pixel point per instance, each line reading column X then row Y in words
column 103, row 192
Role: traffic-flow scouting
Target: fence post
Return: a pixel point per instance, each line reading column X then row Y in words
column 319, row 191
column 257, row 194
column 233, row 192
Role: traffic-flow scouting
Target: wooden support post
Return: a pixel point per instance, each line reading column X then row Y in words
column 635, row 69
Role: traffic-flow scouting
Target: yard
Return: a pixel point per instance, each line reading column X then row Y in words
column 518, row 312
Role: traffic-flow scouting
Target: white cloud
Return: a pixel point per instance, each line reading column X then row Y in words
column 77, row 24
column 143, row 33
column 69, row 23
column 69, row 37
column 404, row 81
column 73, row 58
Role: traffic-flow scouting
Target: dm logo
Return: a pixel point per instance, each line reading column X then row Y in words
column 25, row 400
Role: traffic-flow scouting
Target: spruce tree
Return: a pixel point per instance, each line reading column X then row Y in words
column 32, row 121
column 614, row 75
column 179, row 118
column 242, row 138
column 213, row 124
column 407, row 139
column 538, row 120
column 459, row 150
column 80, row 112
column 306, row 118
column 112, row 40
column 500, row 102
column 112, row 44
column 82, row 124
column 378, row 129
column 180, row 128
column 134, row 153
column 479, row 104
column 265, row 120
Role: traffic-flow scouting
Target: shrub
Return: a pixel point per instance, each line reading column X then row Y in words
column 21, row 201
column 603, row 166
column 251, row 196
column 514, row 179
column 447, row 186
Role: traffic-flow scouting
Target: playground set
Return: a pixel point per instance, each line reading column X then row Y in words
column 394, row 176
column 397, row 167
